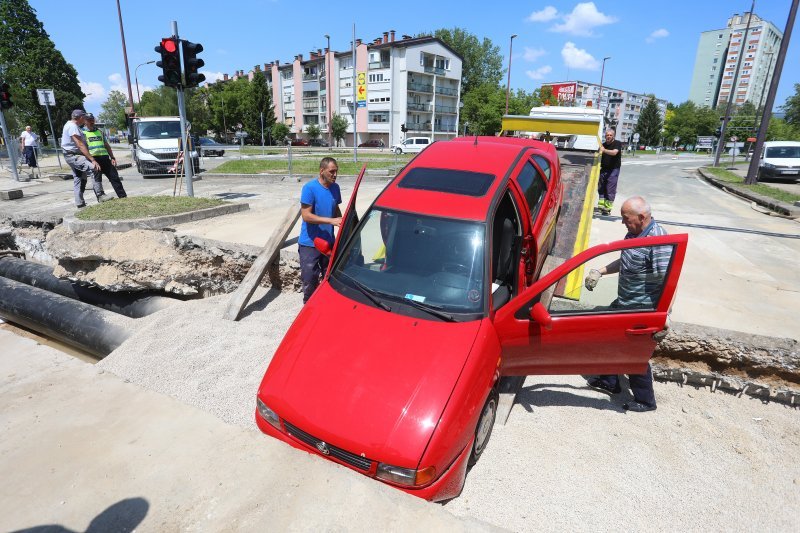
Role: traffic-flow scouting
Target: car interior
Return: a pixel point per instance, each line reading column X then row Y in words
column 506, row 241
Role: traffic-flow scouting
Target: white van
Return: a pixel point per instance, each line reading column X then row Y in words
column 412, row 145
column 779, row 159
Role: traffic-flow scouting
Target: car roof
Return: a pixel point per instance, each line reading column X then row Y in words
column 489, row 155
column 782, row 143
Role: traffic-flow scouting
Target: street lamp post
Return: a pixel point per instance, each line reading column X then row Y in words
column 125, row 56
column 508, row 81
column 602, row 74
column 136, row 76
column 328, row 85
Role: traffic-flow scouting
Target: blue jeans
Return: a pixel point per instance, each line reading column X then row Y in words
column 641, row 385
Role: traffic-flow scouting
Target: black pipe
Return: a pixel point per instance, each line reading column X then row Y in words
column 134, row 305
column 82, row 325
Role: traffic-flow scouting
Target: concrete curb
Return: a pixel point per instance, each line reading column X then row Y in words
column 782, row 208
column 278, row 178
column 78, row 226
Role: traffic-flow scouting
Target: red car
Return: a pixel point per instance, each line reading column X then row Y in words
column 391, row 367
column 300, row 142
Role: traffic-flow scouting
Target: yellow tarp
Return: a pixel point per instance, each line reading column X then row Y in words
column 560, row 126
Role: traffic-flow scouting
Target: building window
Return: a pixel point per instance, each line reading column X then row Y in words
column 345, row 63
column 379, row 100
column 373, row 78
column 378, row 116
column 716, row 59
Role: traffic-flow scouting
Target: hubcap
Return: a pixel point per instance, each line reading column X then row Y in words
column 485, row 426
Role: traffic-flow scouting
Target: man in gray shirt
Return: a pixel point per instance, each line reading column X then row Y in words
column 83, row 165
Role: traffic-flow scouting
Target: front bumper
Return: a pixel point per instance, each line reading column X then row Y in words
column 780, row 172
column 447, row 486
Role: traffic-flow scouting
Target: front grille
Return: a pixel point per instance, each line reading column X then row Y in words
column 357, row 461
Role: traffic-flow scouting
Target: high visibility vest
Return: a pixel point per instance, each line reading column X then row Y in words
column 95, row 142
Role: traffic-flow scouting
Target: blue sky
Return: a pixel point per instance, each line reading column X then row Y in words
column 652, row 44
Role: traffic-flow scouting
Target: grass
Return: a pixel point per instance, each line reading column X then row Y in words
column 759, row 188
column 144, row 207
column 299, row 166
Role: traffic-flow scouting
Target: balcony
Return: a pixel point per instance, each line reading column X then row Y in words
column 418, row 126
column 446, row 109
column 417, row 106
column 420, row 87
column 309, row 77
column 447, row 91
column 430, row 69
column 378, row 64
column 447, row 128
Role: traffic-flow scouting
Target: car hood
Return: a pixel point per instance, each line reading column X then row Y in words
column 157, row 144
column 366, row 380
column 782, row 161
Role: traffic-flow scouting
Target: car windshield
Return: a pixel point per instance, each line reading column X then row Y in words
column 784, row 152
column 431, row 261
column 159, row 130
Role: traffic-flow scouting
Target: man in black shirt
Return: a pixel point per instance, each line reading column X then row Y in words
column 610, row 163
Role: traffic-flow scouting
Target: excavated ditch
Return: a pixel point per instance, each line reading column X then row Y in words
column 146, row 260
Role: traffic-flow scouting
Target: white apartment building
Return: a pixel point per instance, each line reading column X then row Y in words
column 622, row 108
column 411, row 82
column 718, row 54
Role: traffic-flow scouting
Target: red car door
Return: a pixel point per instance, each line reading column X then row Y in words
column 604, row 331
column 349, row 221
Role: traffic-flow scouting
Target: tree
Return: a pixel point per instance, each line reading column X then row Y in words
column 313, row 131
column 743, row 122
column 483, row 109
column 31, row 61
column 780, row 130
column 339, row 127
column 482, row 62
column 280, row 132
column 160, row 102
column 113, row 110
column 257, row 103
column 686, row 121
column 792, row 107
column 649, row 125
column 520, row 103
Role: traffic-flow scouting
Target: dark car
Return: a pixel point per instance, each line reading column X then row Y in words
column 209, row 147
column 300, row 142
column 318, row 142
column 372, row 143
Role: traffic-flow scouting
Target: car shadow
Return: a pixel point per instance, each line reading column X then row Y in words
column 559, row 395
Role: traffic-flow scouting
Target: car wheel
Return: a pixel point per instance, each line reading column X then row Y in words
column 484, row 429
column 398, row 151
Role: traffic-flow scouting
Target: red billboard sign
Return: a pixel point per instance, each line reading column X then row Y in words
column 564, row 92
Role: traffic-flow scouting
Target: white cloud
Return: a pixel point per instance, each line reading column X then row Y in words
column 658, row 34
column 118, row 83
column 545, row 15
column 583, row 19
column 211, row 76
column 532, row 54
column 578, row 57
column 94, row 91
column 539, row 73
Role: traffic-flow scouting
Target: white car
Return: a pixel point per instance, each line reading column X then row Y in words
column 412, row 145
column 779, row 159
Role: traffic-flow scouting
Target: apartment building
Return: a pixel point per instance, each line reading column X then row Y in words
column 622, row 108
column 718, row 54
column 415, row 82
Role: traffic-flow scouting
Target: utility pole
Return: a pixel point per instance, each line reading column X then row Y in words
column 188, row 160
column 600, row 96
column 752, row 170
column 355, row 101
column 732, row 93
column 125, row 56
column 10, row 143
column 508, row 81
column 52, row 131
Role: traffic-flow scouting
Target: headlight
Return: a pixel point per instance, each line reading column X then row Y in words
column 268, row 414
column 405, row 476
column 145, row 151
column 769, row 165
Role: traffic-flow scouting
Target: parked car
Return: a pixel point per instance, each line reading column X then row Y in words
column 372, row 143
column 300, row 142
column 113, row 139
column 318, row 142
column 210, row 147
column 432, row 295
column 779, row 159
column 412, row 145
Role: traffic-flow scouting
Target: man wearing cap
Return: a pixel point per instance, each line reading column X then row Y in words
column 102, row 153
column 77, row 155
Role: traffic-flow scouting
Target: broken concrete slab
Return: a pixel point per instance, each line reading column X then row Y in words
column 13, row 194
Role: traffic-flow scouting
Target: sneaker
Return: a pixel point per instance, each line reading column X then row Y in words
column 600, row 385
column 80, row 206
column 104, row 198
column 605, row 212
column 638, row 407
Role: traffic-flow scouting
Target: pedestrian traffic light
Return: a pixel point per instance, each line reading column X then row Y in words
column 170, row 63
column 5, row 96
column 192, row 64
column 403, row 127
column 718, row 133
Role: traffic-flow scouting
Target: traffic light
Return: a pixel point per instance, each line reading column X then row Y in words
column 718, row 133
column 5, row 96
column 192, row 64
column 403, row 127
column 170, row 63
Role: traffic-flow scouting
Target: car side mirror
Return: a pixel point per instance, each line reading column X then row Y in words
column 540, row 315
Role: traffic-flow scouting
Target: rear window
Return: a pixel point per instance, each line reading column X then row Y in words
column 784, row 151
column 451, row 181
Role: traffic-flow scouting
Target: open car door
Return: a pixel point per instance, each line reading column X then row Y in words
column 608, row 330
column 349, row 221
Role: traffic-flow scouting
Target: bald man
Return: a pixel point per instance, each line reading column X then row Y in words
column 641, row 277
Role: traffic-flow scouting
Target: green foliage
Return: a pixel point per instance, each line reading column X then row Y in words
column 520, row 103
column 160, row 102
column 687, row 121
column 31, row 61
column 338, row 127
column 759, row 188
column 257, row 101
column 313, row 131
column 482, row 62
column 792, row 107
column 280, row 132
column 743, row 122
column 113, row 110
column 780, row 130
column 649, row 125
column 301, row 165
column 483, row 109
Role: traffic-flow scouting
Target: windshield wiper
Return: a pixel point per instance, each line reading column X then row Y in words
column 435, row 310
column 366, row 291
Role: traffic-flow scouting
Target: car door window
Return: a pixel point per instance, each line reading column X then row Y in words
column 544, row 165
column 637, row 286
column 533, row 186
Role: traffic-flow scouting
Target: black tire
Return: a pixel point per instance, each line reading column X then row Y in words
column 398, row 151
column 484, row 428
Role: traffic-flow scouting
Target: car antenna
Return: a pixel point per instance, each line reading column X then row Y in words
column 476, row 140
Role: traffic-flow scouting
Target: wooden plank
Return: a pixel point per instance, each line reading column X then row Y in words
column 259, row 268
